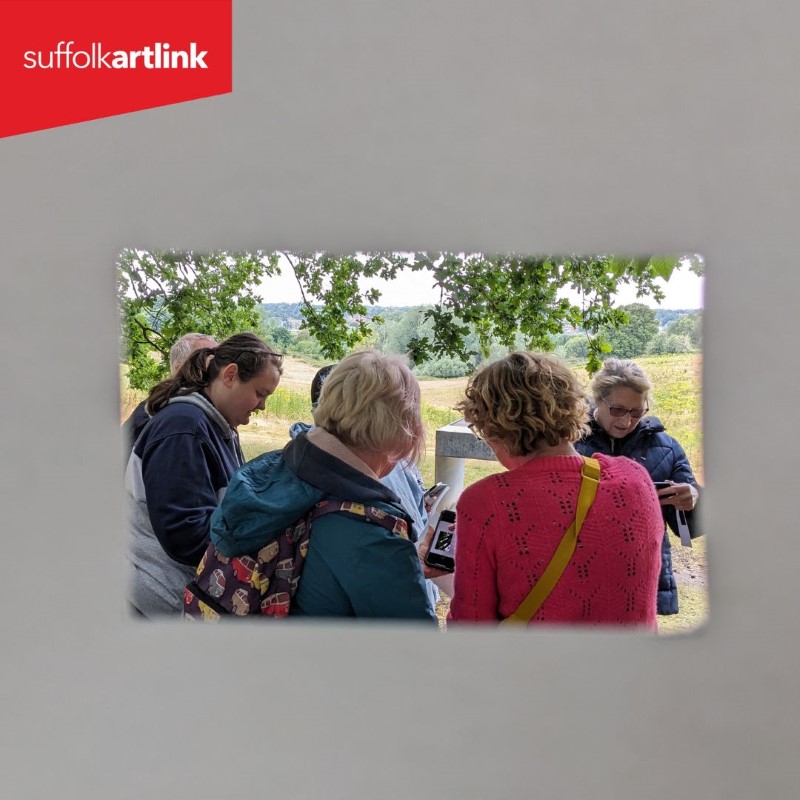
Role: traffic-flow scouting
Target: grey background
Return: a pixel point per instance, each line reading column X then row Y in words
column 570, row 126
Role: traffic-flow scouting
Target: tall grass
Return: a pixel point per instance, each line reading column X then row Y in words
column 289, row 404
column 676, row 401
column 434, row 417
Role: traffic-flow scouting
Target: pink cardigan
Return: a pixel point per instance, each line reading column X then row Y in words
column 508, row 527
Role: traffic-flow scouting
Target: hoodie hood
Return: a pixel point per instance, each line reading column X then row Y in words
column 209, row 409
column 299, row 427
column 271, row 492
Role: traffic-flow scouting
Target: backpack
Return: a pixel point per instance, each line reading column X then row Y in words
column 263, row 583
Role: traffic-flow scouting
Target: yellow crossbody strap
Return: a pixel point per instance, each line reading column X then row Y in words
column 558, row 563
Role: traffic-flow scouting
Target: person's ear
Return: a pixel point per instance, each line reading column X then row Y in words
column 229, row 374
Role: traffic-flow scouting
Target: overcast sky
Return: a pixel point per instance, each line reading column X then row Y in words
column 684, row 290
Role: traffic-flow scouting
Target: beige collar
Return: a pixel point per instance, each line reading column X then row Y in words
column 327, row 442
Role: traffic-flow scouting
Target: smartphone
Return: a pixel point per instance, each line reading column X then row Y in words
column 662, row 484
column 441, row 553
column 434, row 493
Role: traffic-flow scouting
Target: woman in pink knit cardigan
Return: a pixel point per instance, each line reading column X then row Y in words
column 530, row 409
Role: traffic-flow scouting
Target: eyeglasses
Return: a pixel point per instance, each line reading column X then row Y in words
column 475, row 431
column 621, row 411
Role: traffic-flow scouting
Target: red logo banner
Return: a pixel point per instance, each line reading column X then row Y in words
column 67, row 61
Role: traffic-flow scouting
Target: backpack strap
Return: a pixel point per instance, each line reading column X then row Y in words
column 393, row 524
column 555, row 569
column 264, row 582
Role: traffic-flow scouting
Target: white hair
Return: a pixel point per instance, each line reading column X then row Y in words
column 185, row 346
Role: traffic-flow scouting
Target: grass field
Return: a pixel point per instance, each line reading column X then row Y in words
column 676, row 401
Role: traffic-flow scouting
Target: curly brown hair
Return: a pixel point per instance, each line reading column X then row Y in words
column 525, row 400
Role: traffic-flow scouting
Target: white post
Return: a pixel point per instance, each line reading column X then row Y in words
column 450, row 471
column 454, row 443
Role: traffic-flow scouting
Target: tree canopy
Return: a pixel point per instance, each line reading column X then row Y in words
column 482, row 299
column 165, row 294
column 689, row 325
column 632, row 338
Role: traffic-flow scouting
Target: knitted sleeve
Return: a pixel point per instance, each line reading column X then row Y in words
column 475, row 595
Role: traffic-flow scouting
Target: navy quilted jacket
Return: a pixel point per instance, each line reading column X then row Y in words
column 662, row 456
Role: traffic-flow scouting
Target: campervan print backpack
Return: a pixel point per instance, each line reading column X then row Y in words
column 264, row 583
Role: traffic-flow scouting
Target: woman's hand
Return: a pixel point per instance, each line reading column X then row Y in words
column 681, row 495
column 422, row 551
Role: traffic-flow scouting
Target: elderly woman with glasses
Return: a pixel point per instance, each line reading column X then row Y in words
column 530, row 409
column 620, row 427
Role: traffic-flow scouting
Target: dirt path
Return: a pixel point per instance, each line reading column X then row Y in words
column 690, row 564
column 297, row 375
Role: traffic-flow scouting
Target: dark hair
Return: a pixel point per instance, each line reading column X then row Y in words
column 316, row 383
column 250, row 354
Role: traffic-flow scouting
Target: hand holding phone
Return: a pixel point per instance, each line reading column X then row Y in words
column 433, row 495
column 667, row 497
column 671, row 499
column 441, row 552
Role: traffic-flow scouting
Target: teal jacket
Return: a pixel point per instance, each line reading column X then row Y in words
column 406, row 483
column 354, row 568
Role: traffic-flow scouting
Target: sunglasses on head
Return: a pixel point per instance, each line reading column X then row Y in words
column 275, row 358
column 621, row 411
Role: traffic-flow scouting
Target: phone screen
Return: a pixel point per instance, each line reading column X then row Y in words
column 435, row 491
column 441, row 553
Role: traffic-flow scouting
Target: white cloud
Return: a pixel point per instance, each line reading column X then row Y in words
column 683, row 290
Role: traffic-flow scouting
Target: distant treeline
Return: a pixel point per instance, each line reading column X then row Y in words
column 288, row 314
column 664, row 316
column 648, row 332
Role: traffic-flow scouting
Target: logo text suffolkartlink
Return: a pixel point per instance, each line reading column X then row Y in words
column 157, row 56
column 69, row 61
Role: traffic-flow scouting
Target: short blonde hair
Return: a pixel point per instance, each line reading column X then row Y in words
column 620, row 373
column 370, row 401
column 525, row 400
